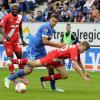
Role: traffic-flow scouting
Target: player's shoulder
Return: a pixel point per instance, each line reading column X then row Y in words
column 46, row 25
column 75, row 45
column 20, row 16
column 74, row 48
column 7, row 15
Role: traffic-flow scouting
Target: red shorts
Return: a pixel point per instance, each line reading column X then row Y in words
column 11, row 47
column 50, row 61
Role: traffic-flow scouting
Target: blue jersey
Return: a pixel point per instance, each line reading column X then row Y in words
column 36, row 48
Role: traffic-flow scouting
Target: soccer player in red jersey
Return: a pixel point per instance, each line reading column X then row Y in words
column 10, row 27
column 53, row 58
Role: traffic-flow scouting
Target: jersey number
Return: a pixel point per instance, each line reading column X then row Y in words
column 66, row 47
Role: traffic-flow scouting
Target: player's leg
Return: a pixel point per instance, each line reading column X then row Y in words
column 9, row 52
column 21, row 66
column 18, row 52
column 69, row 64
column 55, row 76
column 22, row 72
column 52, row 82
column 62, row 74
column 62, row 71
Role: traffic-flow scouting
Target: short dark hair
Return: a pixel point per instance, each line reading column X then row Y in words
column 39, row 11
column 55, row 16
column 31, row 11
column 14, row 5
column 86, row 44
column 68, row 24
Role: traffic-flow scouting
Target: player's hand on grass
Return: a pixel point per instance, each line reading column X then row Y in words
column 87, row 74
column 86, row 78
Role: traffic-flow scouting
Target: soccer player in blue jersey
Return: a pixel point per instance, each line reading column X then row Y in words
column 36, row 48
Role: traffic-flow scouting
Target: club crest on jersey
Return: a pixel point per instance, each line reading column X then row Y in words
column 14, row 26
column 46, row 30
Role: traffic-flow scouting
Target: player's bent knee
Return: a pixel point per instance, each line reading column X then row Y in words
column 28, row 70
column 50, row 70
column 64, row 76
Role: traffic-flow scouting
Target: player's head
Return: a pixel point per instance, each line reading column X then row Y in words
column 54, row 19
column 68, row 27
column 14, row 8
column 83, row 46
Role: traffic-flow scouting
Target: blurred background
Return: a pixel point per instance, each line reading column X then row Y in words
column 67, row 10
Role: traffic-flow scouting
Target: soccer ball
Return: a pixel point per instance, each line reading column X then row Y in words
column 20, row 87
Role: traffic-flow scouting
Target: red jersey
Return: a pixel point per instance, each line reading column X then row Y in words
column 65, row 52
column 11, row 26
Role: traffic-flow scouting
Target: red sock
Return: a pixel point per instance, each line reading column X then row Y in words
column 11, row 68
column 20, row 61
column 52, row 77
column 21, row 66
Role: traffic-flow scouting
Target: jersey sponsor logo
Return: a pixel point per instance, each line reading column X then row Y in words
column 11, row 32
column 66, row 47
column 14, row 26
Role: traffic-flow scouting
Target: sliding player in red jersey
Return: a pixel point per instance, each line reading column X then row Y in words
column 53, row 58
column 11, row 29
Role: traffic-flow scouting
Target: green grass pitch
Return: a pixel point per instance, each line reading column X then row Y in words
column 75, row 88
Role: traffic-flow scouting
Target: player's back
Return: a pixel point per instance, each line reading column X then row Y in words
column 36, row 46
column 65, row 52
column 36, row 40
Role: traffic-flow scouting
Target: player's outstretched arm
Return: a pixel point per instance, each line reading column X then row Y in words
column 50, row 43
column 21, row 36
column 82, row 67
column 77, row 69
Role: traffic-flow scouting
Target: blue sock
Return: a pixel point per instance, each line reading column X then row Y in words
column 69, row 64
column 52, row 83
column 16, row 75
